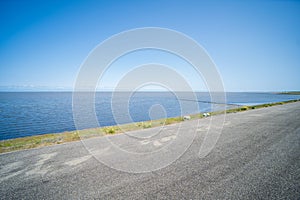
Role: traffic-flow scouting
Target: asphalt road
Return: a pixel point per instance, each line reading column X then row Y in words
column 256, row 157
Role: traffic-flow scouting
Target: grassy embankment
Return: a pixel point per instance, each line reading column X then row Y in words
column 58, row 138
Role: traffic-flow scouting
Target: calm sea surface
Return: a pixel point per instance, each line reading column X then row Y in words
column 32, row 113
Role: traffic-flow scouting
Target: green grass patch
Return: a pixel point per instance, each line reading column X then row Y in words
column 109, row 130
column 173, row 120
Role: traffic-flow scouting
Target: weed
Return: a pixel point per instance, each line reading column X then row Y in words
column 109, row 130
column 244, row 108
column 147, row 125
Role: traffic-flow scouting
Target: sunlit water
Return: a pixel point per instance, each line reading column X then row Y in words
column 32, row 113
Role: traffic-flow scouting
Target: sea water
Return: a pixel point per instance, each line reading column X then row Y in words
column 32, row 113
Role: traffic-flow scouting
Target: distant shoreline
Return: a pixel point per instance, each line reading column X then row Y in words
column 150, row 91
column 76, row 135
column 291, row 93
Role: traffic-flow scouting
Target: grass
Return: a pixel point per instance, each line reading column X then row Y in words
column 58, row 138
column 109, row 130
column 173, row 120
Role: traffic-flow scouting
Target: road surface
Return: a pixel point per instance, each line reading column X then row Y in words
column 256, row 157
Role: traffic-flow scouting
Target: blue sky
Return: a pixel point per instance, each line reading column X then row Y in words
column 255, row 44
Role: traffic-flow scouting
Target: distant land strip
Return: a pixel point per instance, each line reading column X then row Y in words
column 291, row 93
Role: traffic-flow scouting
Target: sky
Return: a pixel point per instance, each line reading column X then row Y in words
column 255, row 45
